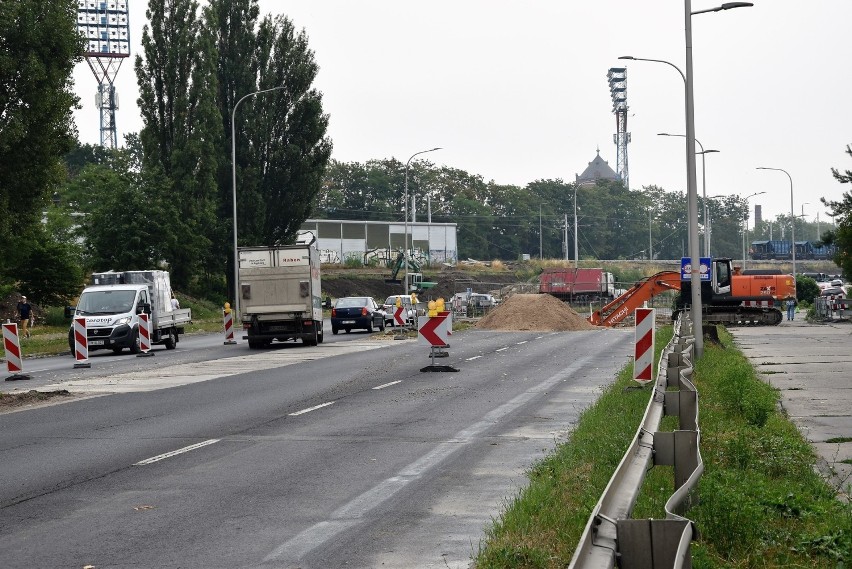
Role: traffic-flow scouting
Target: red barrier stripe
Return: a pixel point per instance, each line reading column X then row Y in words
column 644, row 343
column 645, row 374
column 641, row 315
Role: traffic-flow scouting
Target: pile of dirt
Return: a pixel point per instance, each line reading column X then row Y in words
column 534, row 312
column 15, row 400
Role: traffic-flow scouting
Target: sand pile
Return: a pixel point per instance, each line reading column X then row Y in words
column 539, row 312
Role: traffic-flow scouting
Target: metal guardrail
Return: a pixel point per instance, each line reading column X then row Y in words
column 611, row 537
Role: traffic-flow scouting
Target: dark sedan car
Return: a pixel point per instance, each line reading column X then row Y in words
column 356, row 312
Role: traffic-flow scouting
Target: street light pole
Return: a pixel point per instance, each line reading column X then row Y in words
column 745, row 225
column 706, row 218
column 792, row 215
column 692, row 192
column 405, row 199
column 539, row 233
column 234, row 196
column 576, row 232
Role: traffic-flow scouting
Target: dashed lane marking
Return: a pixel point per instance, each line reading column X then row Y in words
column 388, row 384
column 309, row 409
column 170, row 454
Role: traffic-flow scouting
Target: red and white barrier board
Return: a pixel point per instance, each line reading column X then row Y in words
column 81, row 343
column 643, row 360
column 12, row 345
column 433, row 331
column 228, row 316
column 145, row 335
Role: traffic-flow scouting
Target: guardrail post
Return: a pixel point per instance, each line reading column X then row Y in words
column 652, row 544
column 678, row 449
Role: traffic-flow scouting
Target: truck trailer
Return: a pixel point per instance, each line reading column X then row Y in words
column 113, row 303
column 580, row 285
column 280, row 297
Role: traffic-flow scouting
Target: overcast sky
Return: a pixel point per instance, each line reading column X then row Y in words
column 516, row 91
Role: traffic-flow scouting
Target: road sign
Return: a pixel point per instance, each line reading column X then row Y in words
column 397, row 316
column 433, row 331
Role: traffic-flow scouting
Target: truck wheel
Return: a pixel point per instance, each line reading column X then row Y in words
column 255, row 344
column 311, row 340
column 334, row 331
column 320, row 336
column 171, row 341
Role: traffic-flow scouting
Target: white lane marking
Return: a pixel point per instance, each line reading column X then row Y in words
column 539, row 337
column 524, row 342
column 309, row 409
column 388, row 384
column 473, row 358
column 501, row 349
column 165, row 455
column 353, row 513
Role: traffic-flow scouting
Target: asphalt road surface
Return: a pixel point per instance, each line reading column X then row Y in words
column 344, row 454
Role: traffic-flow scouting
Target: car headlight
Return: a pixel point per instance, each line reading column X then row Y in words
column 120, row 321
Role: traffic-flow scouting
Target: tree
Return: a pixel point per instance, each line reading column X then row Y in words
column 181, row 139
column 842, row 213
column 288, row 132
column 39, row 46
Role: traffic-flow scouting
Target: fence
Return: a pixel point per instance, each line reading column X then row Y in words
column 611, row 537
column 831, row 307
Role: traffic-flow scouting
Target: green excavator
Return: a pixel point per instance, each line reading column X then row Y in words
column 416, row 283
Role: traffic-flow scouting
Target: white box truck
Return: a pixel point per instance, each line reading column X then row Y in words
column 113, row 303
column 280, row 293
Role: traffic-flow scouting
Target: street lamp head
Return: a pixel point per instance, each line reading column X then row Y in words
column 731, row 5
column 627, row 57
column 708, row 151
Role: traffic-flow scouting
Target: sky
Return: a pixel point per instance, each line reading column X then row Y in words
column 516, row 91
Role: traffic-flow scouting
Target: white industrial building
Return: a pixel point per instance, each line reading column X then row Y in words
column 379, row 241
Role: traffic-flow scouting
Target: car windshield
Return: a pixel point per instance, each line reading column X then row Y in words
column 106, row 302
column 351, row 302
column 392, row 300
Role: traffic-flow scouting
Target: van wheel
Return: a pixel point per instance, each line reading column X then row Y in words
column 135, row 347
column 171, row 341
column 320, row 336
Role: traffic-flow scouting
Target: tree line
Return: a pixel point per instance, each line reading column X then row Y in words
column 165, row 198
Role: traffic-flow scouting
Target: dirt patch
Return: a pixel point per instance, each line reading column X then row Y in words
column 534, row 312
column 10, row 401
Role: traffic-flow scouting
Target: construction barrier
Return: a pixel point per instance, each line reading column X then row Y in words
column 81, row 343
column 643, row 351
column 144, row 336
column 228, row 319
column 12, row 345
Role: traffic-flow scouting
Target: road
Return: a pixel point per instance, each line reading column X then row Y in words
column 344, row 454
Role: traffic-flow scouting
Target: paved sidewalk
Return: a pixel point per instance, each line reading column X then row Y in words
column 811, row 364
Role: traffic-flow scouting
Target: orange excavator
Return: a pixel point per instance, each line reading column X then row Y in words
column 727, row 296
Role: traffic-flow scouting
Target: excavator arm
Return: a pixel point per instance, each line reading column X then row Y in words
column 624, row 305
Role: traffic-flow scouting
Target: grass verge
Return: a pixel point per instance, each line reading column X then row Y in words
column 760, row 502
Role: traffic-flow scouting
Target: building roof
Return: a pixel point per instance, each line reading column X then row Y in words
column 598, row 169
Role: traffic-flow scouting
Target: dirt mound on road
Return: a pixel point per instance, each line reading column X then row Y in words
column 534, row 312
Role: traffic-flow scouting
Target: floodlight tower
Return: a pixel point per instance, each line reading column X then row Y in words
column 617, row 77
column 105, row 26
